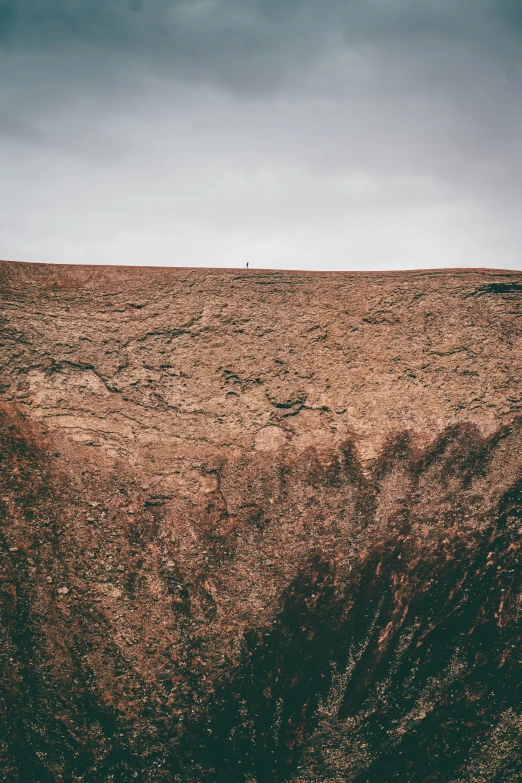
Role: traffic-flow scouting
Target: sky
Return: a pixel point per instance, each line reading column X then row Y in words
column 299, row 134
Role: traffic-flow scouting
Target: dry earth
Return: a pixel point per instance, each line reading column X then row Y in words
column 260, row 526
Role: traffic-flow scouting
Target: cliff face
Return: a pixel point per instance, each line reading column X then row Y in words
column 260, row 526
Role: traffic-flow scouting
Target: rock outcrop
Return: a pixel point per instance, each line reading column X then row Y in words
column 260, row 526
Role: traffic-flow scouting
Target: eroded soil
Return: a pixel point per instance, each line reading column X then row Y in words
column 260, row 526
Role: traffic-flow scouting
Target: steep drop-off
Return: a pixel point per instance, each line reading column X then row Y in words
column 260, row 526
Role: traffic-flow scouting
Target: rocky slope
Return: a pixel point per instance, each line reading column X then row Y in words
column 260, row 526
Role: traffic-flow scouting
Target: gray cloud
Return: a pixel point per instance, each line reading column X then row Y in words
column 325, row 133
column 258, row 44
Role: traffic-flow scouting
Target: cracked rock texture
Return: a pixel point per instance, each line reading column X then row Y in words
column 260, row 526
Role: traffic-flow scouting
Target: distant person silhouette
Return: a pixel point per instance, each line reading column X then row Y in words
column 247, row 264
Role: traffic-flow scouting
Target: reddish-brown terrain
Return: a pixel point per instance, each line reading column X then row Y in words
column 260, row 526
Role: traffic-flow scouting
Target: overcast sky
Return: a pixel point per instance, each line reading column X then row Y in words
column 324, row 134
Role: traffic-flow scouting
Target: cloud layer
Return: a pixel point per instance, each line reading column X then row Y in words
column 305, row 133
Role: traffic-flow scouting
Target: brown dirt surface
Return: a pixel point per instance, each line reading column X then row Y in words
column 260, row 526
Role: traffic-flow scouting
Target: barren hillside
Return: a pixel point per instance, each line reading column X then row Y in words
column 260, row 526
